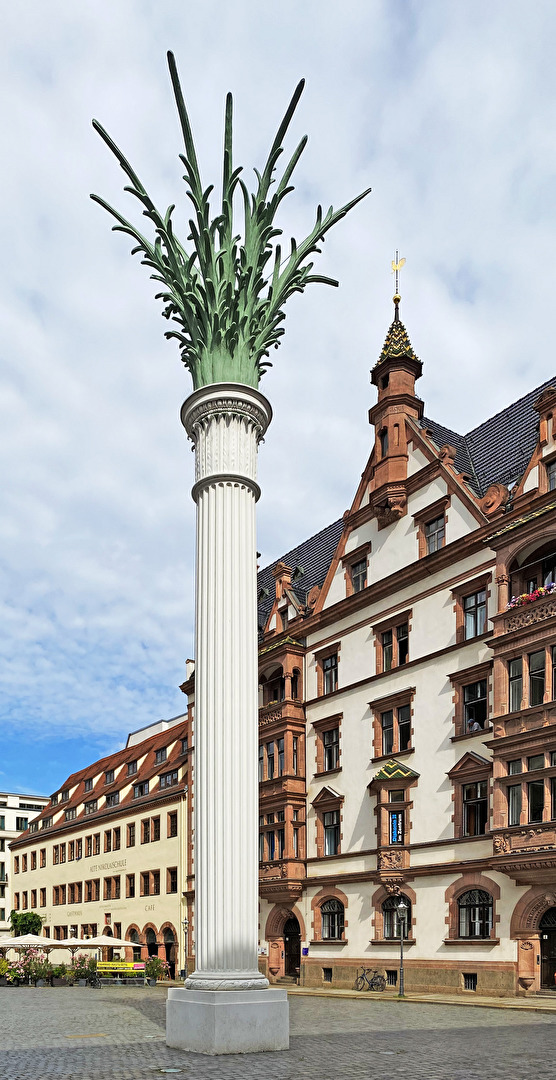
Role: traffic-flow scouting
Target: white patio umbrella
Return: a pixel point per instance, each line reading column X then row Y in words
column 103, row 940
column 29, row 941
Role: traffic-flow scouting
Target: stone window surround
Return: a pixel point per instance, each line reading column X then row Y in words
column 379, row 629
column 459, row 680
column 384, row 704
column 468, row 772
column 461, row 885
column 460, row 592
column 328, row 892
column 328, row 723
column 348, row 561
column 324, row 802
column 330, row 650
column 423, row 517
column 382, row 788
column 377, row 922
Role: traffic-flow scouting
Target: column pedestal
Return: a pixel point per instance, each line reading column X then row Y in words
column 226, row 1006
column 227, row 1022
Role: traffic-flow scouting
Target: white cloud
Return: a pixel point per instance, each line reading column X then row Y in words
column 444, row 109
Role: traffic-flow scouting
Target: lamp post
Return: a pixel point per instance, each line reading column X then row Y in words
column 185, row 924
column 402, row 917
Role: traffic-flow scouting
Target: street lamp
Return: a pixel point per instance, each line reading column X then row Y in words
column 185, row 924
column 402, row 908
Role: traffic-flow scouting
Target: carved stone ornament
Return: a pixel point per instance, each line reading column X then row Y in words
column 501, row 845
column 391, row 510
column 496, row 496
column 531, row 613
column 392, row 887
column 390, row 860
column 526, row 945
column 447, row 454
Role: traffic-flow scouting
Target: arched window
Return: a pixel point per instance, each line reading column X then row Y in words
column 332, row 916
column 475, row 914
column 390, row 918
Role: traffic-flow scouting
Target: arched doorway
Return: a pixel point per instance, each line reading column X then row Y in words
column 134, row 939
column 547, row 930
column 152, row 946
column 292, row 947
column 170, row 951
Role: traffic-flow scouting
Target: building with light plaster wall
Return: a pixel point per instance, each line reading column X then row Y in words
column 16, row 811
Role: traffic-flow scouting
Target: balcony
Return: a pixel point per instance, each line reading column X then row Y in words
column 277, row 711
column 526, row 720
column 518, row 618
column 527, row 854
column 281, row 881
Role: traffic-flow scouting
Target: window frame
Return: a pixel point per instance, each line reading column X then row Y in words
column 392, row 626
column 321, row 657
column 460, row 680
column 426, row 517
column 321, row 729
column 380, row 707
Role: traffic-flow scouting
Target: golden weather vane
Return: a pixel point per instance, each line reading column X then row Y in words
column 397, row 265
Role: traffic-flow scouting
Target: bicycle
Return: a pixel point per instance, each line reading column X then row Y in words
column 94, row 981
column 376, row 982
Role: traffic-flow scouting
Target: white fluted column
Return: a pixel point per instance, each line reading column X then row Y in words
column 225, row 422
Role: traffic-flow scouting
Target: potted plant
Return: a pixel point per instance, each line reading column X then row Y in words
column 59, row 972
column 80, row 964
column 4, row 965
column 155, row 968
column 15, row 973
column 41, row 970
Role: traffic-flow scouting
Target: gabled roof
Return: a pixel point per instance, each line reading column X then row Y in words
column 313, row 556
column 395, row 770
column 499, row 449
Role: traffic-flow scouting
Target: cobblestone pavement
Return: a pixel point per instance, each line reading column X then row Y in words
column 83, row 1034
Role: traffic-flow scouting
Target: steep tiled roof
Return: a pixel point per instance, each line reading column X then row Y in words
column 313, row 556
column 397, row 343
column 498, row 450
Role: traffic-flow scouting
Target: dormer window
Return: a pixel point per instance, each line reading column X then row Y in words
column 109, row 776
column 160, row 756
column 54, row 800
column 65, row 795
column 89, row 784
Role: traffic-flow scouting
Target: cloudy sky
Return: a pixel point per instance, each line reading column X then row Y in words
column 446, row 110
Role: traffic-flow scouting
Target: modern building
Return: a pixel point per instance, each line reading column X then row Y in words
column 16, row 811
column 408, row 709
column 108, row 853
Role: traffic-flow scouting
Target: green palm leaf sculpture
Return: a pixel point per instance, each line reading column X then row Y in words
column 225, row 294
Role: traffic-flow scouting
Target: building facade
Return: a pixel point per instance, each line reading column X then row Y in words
column 109, row 853
column 16, row 811
column 408, row 709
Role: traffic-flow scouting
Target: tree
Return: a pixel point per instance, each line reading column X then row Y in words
column 25, row 922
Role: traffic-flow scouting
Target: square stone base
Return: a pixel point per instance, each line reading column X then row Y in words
column 227, row 1021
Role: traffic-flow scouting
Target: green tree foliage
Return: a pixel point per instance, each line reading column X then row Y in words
column 25, row 922
column 226, row 293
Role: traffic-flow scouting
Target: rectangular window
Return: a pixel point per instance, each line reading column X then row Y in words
column 402, row 638
column 146, row 831
column 261, row 847
column 155, row 829
column 131, row 768
column 330, row 674
column 271, row 844
column 172, row 881
column 535, row 762
column 71, row 814
column 169, row 779
column 536, row 677
column 553, row 798
column 141, row 789
column 475, row 705
column 269, row 760
column 551, row 475
column 116, row 839
column 516, row 683
column 156, row 882
column 160, row 755
column 295, row 741
column 475, row 808
column 359, row 575
column 130, row 886
column 88, row 785
column 108, row 840
column 43, row 897
column 113, row 798
column 332, row 832
column 33, row 860
column 109, row 776
column 404, row 727
column 281, row 843
column 514, row 804
column 387, row 650
column 173, row 823
column 91, row 806
column 79, row 849
column 280, row 747
column 184, row 745
column 261, row 762
column 62, row 852
column 21, row 823
column 55, row 855
column 535, row 790
column 96, row 843
column 514, row 767
column 145, row 884
column 434, row 535
column 395, row 826
column 474, row 610
column 24, row 864
column 387, row 722
column 88, row 847
column 130, row 837
column 331, row 746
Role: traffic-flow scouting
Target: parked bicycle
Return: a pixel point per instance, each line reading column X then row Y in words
column 376, row 981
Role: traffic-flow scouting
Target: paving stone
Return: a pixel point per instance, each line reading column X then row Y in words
column 111, row 1034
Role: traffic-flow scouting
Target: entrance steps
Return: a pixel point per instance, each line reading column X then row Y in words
column 286, row 980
